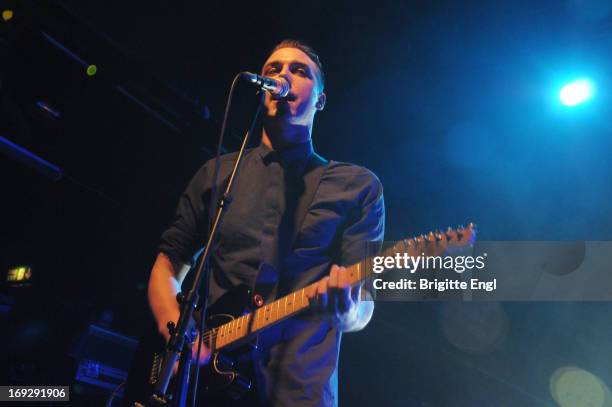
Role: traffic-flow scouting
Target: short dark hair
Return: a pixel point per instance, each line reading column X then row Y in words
column 306, row 49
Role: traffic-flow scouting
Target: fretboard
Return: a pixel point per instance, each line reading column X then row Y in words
column 291, row 304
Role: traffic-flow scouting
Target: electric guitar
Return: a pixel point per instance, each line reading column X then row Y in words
column 236, row 319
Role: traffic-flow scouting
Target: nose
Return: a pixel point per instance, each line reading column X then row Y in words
column 285, row 71
column 286, row 75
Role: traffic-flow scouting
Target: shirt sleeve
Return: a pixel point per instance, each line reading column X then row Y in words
column 367, row 220
column 184, row 236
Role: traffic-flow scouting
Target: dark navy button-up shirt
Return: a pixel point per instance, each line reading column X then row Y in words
column 266, row 245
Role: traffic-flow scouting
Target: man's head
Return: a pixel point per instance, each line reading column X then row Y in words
column 301, row 67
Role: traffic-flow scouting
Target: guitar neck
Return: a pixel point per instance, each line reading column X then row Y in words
column 291, row 304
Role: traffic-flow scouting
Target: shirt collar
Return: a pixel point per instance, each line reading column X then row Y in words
column 293, row 154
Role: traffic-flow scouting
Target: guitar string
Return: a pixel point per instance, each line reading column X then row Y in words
column 213, row 333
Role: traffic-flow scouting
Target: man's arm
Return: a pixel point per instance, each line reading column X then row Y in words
column 164, row 284
column 343, row 304
column 349, row 309
column 179, row 242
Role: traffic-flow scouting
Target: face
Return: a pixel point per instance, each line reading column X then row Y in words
column 304, row 98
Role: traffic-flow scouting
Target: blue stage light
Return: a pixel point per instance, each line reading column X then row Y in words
column 576, row 92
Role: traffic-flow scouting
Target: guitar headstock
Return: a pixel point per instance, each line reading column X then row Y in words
column 451, row 241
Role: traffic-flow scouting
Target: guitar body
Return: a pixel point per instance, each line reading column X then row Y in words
column 222, row 378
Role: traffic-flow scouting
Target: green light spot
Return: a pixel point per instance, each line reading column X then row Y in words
column 91, row 70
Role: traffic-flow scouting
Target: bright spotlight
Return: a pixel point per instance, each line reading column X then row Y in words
column 576, row 92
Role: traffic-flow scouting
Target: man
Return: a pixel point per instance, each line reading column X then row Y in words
column 294, row 217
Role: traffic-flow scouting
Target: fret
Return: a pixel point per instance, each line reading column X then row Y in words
column 266, row 314
column 232, row 330
column 244, row 323
column 227, row 332
column 247, row 321
column 223, row 329
column 271, row 317
column 240, row 326
column 260, row 317
column 285, row 313
column 256, row 319
column 235, row 329
column 219, row 336
column 237, row 326
column 277, row 310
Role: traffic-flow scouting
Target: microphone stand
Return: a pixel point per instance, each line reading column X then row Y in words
column 182, row 336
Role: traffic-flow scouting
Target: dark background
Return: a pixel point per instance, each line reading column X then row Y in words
column 454, row 105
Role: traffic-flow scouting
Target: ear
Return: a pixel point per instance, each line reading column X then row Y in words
column 321, row 101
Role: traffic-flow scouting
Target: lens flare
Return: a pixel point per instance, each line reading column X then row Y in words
column 576, row 92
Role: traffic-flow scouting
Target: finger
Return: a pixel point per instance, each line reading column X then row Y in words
column 322, row 295
column 333, row 276
column 311, row 294
column 343, row 280
column 343, row 300
column 332, row 301
column 356, row 293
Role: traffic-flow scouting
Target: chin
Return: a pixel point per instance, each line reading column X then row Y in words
column 281, row 114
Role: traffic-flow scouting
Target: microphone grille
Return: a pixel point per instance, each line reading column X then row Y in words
column 284, row 87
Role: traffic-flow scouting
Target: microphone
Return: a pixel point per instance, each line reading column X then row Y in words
column 277, row 87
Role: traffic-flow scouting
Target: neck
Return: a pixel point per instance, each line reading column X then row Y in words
column 279, row 137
